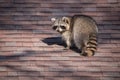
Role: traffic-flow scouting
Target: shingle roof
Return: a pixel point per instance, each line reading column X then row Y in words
column 31, row 50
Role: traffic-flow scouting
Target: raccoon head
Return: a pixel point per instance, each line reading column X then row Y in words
column 61, row 24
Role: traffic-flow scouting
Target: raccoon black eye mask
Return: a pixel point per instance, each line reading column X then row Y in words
column 54, row 27
column 80, row 30
column 63, row 27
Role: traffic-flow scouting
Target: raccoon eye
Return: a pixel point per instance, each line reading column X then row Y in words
column 63, row 27
column 54, row 27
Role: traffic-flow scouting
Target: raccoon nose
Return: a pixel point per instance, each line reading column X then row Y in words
column 57, row 30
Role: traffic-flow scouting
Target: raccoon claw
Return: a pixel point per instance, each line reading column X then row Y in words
column 67, row 48
column 84, row 54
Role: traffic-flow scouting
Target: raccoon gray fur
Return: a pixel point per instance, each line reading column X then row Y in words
column 80, row 30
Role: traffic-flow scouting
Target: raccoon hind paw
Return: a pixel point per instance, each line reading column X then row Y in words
column 88, row 53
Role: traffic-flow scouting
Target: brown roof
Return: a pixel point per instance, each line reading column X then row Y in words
column 31, row 50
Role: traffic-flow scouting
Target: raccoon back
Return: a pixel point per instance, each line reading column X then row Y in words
column 82, row 28
column 83, row 24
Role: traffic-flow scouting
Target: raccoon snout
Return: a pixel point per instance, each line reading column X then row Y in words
column 57, row 30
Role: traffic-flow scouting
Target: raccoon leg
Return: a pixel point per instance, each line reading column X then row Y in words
column 68, row 44
column 83, row 49
column 84, row 46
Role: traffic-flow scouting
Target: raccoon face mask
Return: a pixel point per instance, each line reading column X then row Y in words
column 60, row 24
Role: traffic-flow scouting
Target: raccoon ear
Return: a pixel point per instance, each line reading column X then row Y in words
column 66, row 19
column 53, row 19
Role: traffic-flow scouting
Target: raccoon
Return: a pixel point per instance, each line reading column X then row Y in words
column 78, row 30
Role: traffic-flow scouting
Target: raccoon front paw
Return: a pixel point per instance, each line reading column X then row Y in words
column 67, row 48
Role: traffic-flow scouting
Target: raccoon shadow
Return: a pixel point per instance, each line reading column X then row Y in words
column 54, row 41
column 58, row 41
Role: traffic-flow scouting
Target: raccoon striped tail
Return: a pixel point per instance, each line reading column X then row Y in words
column 91, row 46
